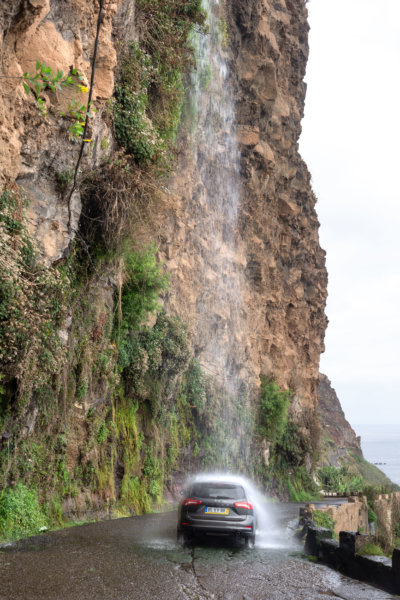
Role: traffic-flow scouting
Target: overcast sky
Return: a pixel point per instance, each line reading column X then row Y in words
column 351, row 143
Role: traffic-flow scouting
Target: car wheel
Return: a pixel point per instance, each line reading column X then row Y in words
column 183, row 538
column 187, row 539
column 250, row 542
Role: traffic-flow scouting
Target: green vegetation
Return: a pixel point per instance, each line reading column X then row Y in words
column 20, row 513
column 63, row 179
column 112, row 399
column 371, row 474
column 113, row 404
column 311, row 558
column 152, row 359
column 340, row 480
column 323, row 519
column 134, row 130
column 32, row 301
column 77, row 113
column 150, row 90
column 196, row 386
column 301, row 486
column 144, row 282
column 44, row 78
column 289, row 444
column 223, row 34
column 274, row 406
column 371, row 549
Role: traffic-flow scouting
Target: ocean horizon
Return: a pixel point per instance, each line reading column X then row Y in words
column 381, row 446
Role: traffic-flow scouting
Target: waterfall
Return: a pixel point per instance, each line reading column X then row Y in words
column 219, row 301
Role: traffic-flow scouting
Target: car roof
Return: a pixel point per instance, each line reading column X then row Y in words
column 213, row 482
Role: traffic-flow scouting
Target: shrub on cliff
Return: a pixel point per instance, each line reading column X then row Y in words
column 150, row 86
column 20, row 513
column 339, row 479
column 273, row 411
column 144, row 282
column 151, row 360
column 32, row 300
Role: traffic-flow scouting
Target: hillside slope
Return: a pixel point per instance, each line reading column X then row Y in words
column 163, row 287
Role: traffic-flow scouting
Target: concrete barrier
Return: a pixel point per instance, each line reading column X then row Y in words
column 314, row 537
column 343, row 556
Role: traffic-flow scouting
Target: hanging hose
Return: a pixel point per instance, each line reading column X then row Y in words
column 84, row 140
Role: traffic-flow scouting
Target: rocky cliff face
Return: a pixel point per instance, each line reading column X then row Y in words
column 35, row 151
column 277, row 260
column 116, row 407
column 338, row 438
column 339, row 444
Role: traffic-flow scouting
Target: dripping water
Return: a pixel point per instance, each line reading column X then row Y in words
column 219, row 300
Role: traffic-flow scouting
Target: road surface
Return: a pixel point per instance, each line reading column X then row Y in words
column 138, row 558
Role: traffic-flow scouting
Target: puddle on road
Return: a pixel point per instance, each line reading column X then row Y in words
column 160, row 544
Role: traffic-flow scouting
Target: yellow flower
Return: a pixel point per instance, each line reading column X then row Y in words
column 86, row 140
column 83, row 89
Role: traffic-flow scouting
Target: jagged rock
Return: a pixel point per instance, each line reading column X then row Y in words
column 283, row 276
column 338, row 437
column 32, row 148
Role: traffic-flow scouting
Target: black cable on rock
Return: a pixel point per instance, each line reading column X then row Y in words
column 75, row 182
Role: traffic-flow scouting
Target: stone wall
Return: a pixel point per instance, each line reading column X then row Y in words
column 387, row 509
column 349, row 516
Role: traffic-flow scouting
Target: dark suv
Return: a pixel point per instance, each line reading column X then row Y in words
column 215, row 508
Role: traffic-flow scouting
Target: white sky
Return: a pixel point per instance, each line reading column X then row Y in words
column 351, row 143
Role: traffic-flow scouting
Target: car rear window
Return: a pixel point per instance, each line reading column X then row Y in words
column 217, row 490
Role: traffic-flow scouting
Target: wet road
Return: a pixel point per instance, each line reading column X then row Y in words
column 138, row 558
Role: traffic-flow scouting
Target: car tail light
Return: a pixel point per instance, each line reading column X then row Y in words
column 246, row 505
column 190, row 502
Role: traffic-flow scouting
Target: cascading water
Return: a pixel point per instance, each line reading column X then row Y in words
column 219, row 300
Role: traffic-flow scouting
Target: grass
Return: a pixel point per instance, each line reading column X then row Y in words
column 371, row 549
column 322, row 519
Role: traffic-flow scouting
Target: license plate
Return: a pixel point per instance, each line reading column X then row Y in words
column 216, row 510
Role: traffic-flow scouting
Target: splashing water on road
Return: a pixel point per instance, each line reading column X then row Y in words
column 269, row 533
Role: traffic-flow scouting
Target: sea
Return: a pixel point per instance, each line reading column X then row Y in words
column 381, row 446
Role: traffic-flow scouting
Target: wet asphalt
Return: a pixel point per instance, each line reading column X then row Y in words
column 139, row 558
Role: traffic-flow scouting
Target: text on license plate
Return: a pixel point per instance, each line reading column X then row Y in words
column 216, row 510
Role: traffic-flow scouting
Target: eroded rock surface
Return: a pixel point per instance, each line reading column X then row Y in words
column 35, row 150
column 339, row 438
column 250, row 280
column 277, row 253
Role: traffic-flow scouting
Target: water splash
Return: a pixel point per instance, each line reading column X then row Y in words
column 268, row 533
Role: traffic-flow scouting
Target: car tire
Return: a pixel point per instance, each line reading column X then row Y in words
column 250, row 542
column 184, row 539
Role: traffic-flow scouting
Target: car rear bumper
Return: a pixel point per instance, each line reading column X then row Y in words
column 244, row 528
